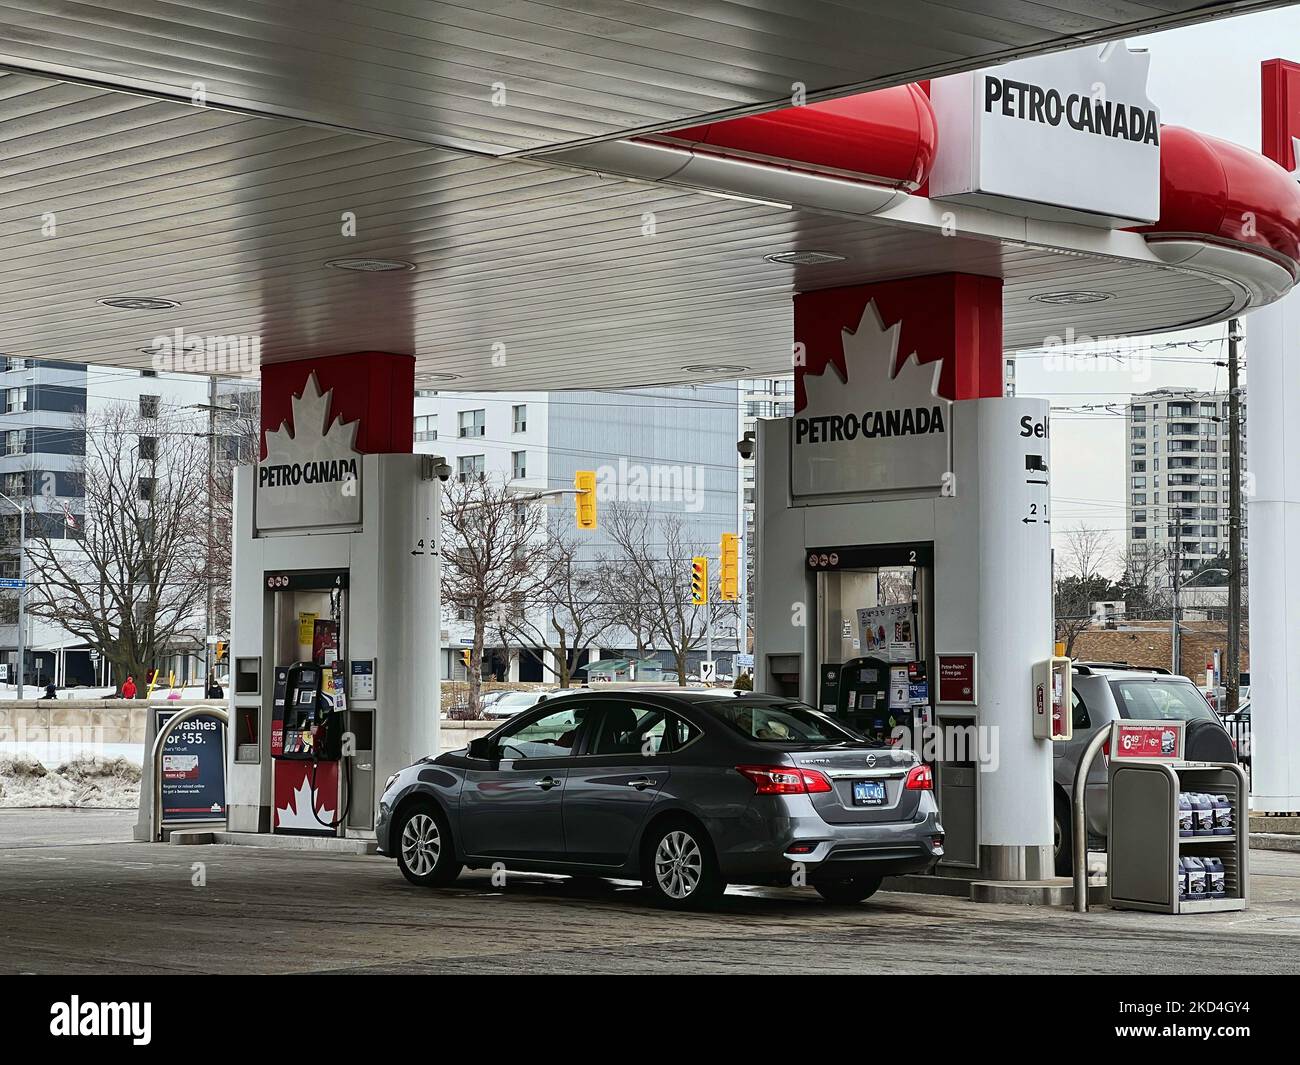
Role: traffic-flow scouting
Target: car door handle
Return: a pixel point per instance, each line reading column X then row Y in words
column 546, row 783
column 641, row 783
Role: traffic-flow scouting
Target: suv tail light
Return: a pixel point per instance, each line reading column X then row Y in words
column 919, row 778
column 784, row 779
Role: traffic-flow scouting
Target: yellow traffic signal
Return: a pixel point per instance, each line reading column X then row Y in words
column 465, row 657
column 585, row 482
column 699, row 580
column 729, row 577
column 221, row 650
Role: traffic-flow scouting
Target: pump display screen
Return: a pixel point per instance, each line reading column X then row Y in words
column 307, row 697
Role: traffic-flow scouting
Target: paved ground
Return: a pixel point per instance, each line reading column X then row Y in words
column 77, row 896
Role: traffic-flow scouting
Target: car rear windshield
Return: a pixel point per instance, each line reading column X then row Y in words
column 783, row 722
column 1160, row 700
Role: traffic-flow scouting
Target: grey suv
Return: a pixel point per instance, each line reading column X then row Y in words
column 1109, row 691
column 684, row 790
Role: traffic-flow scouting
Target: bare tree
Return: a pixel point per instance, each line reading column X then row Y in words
column 1080, row 581
column 493, row 554
column 653, row 556
column 132, row 583
column 567, row 612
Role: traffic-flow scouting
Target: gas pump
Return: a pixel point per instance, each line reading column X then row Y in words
column 307, row 726
column 307, row 715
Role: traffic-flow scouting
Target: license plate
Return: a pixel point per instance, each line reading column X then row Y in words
column 868, row 793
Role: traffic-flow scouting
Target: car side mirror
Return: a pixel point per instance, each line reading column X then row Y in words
column 482, row 748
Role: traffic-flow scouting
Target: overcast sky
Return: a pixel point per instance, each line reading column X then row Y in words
column 1205, row 77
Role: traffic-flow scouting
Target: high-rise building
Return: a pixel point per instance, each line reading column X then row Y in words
column 1177, row 475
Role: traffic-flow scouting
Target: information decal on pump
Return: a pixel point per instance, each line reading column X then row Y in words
column 956, row 677
column 193, row 769
column 363, row 678
column 1147, row 741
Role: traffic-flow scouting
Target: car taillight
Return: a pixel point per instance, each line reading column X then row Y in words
column 919, row 778
column 784, row 779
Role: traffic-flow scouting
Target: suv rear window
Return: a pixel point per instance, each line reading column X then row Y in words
column 1160, row 700
column 778, row 722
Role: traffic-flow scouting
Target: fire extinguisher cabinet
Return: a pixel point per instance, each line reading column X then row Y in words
column 1145, row 847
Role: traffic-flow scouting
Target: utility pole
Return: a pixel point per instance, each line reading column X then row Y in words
column 209, row 663
column 210, row 634
column 1232, row 679
column 1175, row 573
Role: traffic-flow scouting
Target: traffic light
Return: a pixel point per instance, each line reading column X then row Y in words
column 729, row 577
column 465, row 658
column 585, row 482
column 699, row 580
column 221, row 651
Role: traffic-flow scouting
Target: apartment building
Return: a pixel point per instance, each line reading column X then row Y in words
column 1178, row 472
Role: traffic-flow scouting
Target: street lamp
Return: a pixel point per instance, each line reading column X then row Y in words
column 22, row 588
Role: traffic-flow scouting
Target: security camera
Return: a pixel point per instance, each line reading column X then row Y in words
column 442, row 469
column 747, row 445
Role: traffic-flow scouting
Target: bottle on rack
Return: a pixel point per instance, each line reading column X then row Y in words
column 1182, row 879
column 1195, row 878
column 1215, row 885
column 1222, row 815
column 1202, row 814
column 1186, row 822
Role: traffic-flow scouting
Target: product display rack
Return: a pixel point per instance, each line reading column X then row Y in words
column 1144, row 846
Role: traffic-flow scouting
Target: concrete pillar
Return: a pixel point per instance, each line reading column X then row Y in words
column 1273, row 497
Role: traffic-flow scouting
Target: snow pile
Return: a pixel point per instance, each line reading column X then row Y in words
column 110, row 783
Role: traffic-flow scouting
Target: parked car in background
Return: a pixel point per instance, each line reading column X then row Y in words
column 507, row 704
column 684, row 790
column 1105, row 692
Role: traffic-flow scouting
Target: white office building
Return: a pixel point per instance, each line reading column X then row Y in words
column 539, row 440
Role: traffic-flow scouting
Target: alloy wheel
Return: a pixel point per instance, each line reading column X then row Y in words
column 679, row 864
column 421, row 844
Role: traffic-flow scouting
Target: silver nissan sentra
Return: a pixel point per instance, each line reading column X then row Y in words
column 685, row 790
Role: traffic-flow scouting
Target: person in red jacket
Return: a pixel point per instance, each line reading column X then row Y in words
column 128, row 689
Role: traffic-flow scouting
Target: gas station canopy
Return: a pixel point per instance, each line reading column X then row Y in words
column 472, row 143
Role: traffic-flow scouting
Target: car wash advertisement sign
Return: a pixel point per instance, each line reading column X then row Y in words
column 310, row 479
column 1070, row 135
column 880, row 426
column 193, row 769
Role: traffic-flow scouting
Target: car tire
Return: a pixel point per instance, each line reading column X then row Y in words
column 1062, row 838
column 425, row 853
column 848, row 891
column 679, row 868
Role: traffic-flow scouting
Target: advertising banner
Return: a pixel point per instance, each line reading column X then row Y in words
column 1147, row 741
column 193, row 769
column 887, row 632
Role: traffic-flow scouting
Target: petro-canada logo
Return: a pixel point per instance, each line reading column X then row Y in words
column 881, row 427
column 311, row 475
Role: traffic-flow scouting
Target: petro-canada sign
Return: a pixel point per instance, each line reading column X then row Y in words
column 884, row 427
column 311, row 476
column 1071, row 136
